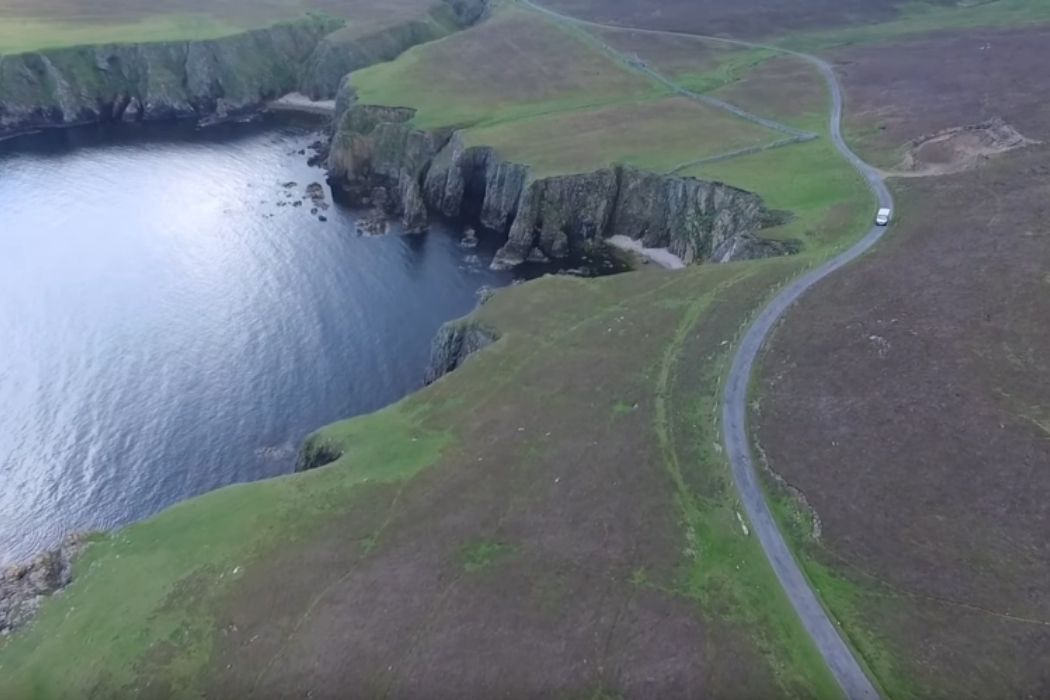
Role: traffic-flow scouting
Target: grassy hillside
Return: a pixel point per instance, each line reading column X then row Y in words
column 556, row 516
column 563, row 477
column 549, row 95
column 34, row 25
column 565, row 485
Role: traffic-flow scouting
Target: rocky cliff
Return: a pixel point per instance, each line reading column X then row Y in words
column 454, row 343
column 22, row 588
column 156, row 80
column 347, row 50
column 382, row 160
column 315, row 453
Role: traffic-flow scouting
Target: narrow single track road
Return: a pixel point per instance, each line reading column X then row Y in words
column 824, row 632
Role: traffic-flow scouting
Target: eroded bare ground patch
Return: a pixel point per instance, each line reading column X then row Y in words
column 903, row 92
column 906, row 397
column 958, row 149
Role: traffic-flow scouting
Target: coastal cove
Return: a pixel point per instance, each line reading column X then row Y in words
column 178, row 313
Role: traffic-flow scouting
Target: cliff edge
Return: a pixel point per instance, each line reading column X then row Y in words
column 163, row 80
column 380, row 159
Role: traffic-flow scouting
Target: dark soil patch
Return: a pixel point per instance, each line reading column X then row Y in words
column 906, row 90
column 908, row 398
column 745, row 18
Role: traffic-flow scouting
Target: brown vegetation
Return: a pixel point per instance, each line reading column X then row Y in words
column 907, row 90
column 745, row 18
column 907, row 398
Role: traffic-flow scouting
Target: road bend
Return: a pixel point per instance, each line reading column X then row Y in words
column 821, row 628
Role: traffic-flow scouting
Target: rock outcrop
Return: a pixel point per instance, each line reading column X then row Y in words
column 417, row 172
column 454, row 343
column 156, row 80
column 315, row 453
column 347, row 50
column 380, row 161
column 22, row 588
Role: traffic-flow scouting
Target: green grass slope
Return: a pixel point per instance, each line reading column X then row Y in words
column 547, row 95
column 565, row 489
column 485, row 471
column 49, row 24
column 565, row 475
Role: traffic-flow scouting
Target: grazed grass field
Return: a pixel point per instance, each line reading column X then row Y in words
column 549, row 96
column 656, row 134
column 29, row 25
column 517, row 64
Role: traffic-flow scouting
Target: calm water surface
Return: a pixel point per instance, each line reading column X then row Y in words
column 166, row 328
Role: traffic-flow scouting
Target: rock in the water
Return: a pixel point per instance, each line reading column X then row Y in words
column 320, row 153
column 315, row 191
column 470, row 238
column 375, row 224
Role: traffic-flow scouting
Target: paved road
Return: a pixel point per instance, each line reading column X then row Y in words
column 837, row 654
column 826, row 636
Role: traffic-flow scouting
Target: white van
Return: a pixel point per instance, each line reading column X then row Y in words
column 882, row 217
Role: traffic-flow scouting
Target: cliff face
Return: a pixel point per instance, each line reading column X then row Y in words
column 454, row 343
column 345, row 50
column 154, row 81
column 379, row 156
column 22, row 588
column 315, row 453
column 381, row 160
